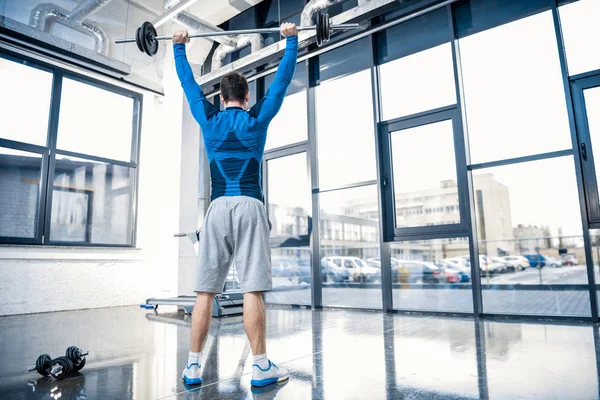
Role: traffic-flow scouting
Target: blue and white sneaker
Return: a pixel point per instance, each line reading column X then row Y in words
column 192, row 374
column 264, row 377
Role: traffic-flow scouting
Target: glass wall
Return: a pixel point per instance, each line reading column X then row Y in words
column 532, row 257
column 432, row 275
column 68, row 157
column 580, row 28
column 289, row 210
column 20, row 185
column 282, row 131
column 345, row 126
column 350, row 259
column 515, row 100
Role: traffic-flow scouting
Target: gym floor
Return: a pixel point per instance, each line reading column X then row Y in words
column 332, row 354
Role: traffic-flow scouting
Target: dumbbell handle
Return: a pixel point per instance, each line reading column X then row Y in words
column 31, row 368
column 242, row 32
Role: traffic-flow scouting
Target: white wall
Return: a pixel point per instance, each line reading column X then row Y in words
column 40, row 279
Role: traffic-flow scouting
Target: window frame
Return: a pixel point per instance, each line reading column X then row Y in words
column 579, row 84
column 49, row 152
column 391, row 232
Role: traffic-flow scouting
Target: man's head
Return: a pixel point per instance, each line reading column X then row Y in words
column 234, row 90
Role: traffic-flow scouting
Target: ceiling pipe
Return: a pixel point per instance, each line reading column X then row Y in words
column 196, row 25
column 254, row 40
column 42, row 16
column 314, row 6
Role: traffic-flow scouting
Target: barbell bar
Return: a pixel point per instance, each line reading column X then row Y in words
column 147, row 38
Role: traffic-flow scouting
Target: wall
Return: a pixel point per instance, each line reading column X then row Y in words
column 41, row 279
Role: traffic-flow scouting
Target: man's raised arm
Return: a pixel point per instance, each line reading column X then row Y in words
column 272, row 101
column 202, row 109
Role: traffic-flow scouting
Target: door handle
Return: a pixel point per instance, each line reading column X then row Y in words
column 584, row 152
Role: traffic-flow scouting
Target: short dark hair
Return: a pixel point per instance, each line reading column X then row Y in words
column 234, row 86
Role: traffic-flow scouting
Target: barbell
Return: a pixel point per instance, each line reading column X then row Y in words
column 147, row 38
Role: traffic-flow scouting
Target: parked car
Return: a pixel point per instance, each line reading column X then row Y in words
column 541, row 261
column 358, row 268
column 508, row 267
column 300, row 271
column 487, row 266
column 556, row 262
column 570, row 259
column 375, row 262
column 519, row 262
column 331, row 272
column 408, row 271
column 453, row 272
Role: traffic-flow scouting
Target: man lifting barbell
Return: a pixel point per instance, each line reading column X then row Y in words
column 236, row 228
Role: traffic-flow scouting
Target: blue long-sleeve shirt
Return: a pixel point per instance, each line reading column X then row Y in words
column 234, row 138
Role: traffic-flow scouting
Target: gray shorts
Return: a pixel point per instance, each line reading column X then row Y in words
column 236, row 229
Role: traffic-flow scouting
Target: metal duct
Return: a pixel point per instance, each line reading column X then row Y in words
column 194, row 24
column 167, row 4
column 47, row 12
column 255, row 41
column 312, row 7
column 88, row 7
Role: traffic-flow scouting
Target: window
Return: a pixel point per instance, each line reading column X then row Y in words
column 345, row 137
column 531, row 211
column 422, row 170
column 579, row 24
column 95, row 121
column 586, row 96
column 91, row 202
column 67, row 177
column 24, row 111
column 412, row 154
column 515, row 101
column 290, row 125
column 289, row 210
column 419, row 82
column 20, row 177
column 431, row 275
column 358, row 283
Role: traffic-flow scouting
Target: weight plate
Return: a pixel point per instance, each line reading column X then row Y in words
column 78, row 361
column 138, row 40
column 66, row 367
column 149, row 42
column 42, row 364
column 326, row 28
column 319, row 28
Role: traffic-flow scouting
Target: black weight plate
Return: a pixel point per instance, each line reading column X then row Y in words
column 319, row 28
column 67, row 367
column 326, row 28
column 79, row 366
column 73, row 354
column 42, row 364
column 149, row 42
column 138, row 40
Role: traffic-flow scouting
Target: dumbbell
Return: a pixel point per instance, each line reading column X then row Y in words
column 61, row 367
column 42, row 365
column 77, row 356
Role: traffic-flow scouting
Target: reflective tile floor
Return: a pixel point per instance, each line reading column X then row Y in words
column 334, row 354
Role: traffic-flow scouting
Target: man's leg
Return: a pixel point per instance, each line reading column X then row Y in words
column 254, row 322
column 201, row 318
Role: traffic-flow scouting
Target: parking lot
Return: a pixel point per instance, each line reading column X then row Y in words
column 531, row 291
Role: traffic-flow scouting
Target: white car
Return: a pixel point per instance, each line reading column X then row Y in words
column 519, row 262
column 359, row 269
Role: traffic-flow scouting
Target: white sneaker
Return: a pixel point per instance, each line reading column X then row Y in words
column 264, row 377
column 192, row 374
